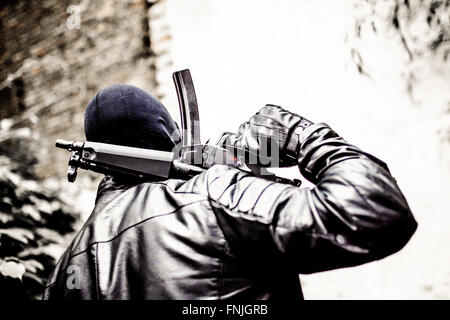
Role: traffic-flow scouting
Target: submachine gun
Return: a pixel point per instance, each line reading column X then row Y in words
column 185, row 162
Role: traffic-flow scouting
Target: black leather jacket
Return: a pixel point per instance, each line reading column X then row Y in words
column 227, row 234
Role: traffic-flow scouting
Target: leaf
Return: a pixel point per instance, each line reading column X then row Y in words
column 53, row 251
column 31, row 211
column 35, row 278
column 33, row 266
column 5, row 218
column 12, row 269
column 49, row 235
column 18, row 234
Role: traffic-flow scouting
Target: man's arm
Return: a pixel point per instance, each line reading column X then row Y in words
column 355, row 214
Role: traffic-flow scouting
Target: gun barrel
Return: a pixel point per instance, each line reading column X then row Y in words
column 63, row 144
column 69, row 145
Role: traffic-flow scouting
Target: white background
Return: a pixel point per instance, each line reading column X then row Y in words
column 244, row 54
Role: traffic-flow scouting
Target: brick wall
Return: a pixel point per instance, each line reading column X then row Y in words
column 49, row 72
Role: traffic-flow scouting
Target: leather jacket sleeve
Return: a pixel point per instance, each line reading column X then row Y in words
column 356, row 213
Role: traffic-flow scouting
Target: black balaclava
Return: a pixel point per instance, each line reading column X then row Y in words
column 125, row 115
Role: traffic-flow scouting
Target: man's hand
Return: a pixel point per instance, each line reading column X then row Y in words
column 272, row 132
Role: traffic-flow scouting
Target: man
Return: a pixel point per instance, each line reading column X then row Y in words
column 226, row 233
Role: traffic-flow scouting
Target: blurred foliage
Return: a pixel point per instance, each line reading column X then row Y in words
column 422, row 26
column 35, row 220
column 422, row 29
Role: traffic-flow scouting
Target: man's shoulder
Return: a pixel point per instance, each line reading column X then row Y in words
column 120, row 207
column 129, row 210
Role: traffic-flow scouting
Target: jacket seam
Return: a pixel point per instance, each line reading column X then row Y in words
column 241, row 195
column 220, row 279
column 275, row 202
column 229, row 186
column 134, row 225
column 119, row 234
column 97, row 276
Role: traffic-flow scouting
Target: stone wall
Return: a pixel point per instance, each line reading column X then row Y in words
column 50, row 70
